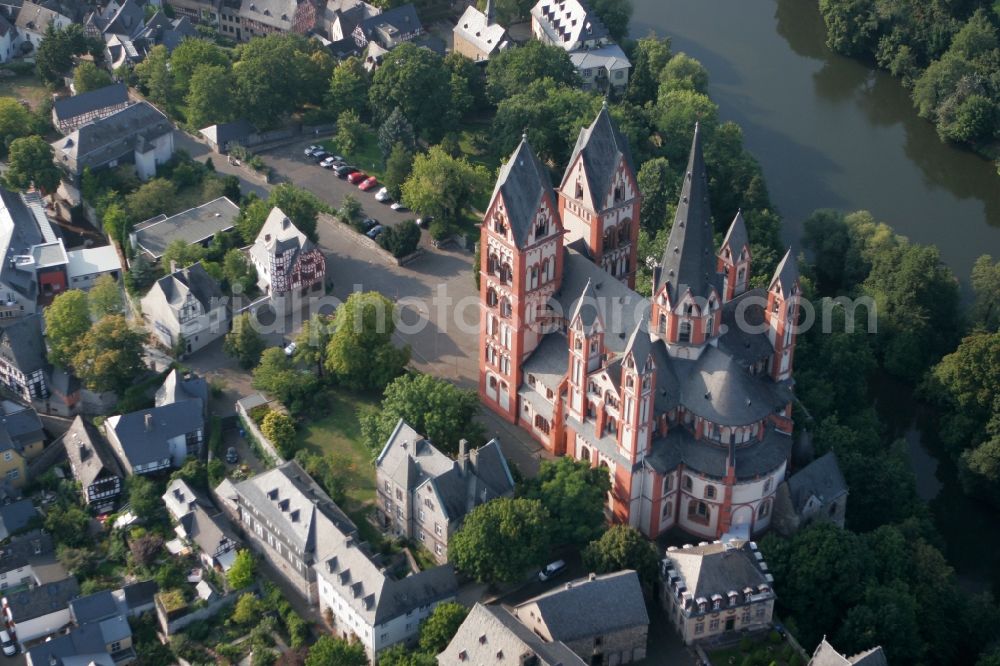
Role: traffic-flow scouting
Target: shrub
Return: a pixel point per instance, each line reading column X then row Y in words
column 402, row 239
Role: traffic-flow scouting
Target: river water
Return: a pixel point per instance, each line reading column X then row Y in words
column 828, row 131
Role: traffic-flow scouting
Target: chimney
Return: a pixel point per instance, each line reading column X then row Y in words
column 173, row 266
column 149, row 422
column 463, row 455
column 592, row 576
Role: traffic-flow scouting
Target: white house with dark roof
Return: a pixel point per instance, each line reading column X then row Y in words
column 34, row 265
column 34, row 19
column 716, row 589
column 195, row 226
column 493, row 635
column 424, row 495
column 199, row 523
column 88, row 264
column 39, row 611
column 602, row 619
column 317, row 548
column 93, row 465
column 186, row 305
column 8, row 39
column 23, row 364
column 71, row 113
column 477, row 35
column 826, row 655
column 287, row 261
column 139, row 135
column 573, row 27
column 815, row 493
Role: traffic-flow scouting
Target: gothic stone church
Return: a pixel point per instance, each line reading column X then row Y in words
column 689, row 412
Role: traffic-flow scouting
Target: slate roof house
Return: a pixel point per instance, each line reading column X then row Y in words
column 102, row 635
column 195, row 226
column 152, row 440
column 23, row 365
column 40, row 611
column 826, row 655
column 34, row 266
column 602, row 619
column 187, row 305
column 817, row 492
column 139, row 134
column 492, row 635
column 33, row 20
column 8, row 39
column 15, row 571
column 16, row 516
column 424, row 495
column 21, row 440
column 93, row 465
column 71, row 113
column 287, row 262
column 221, row 135
column 716, row 589
column 390, row 28
column 199, row 523
column 477, row 35
column 572, row 26
column 317, row 548
column 177, row 387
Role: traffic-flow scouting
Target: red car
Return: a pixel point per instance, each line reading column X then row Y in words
column 357, row 177
column 368, row 184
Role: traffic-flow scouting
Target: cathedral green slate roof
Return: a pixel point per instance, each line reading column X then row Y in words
column 786, row 274
column 736, row 238
column 752, row 460
column 602, row 148
column 689, row 258
column 524, row 183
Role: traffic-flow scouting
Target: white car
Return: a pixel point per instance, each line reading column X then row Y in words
column 311, row 149
column 290, row 349
column 398, row 206
column 9, row 648
column 328, row 162
column 382, row 195
column 551, row 570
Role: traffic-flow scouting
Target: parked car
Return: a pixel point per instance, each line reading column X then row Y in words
column 290, row 349
column 374, row 232
column 368, row 184
column 328, row 163
column 320, row 155
column 552, row 569
column 344, row 170
column 369, row 223
column 311, row 149
column 382, row 196
column 400, row 207
column 339, row 158
column 424, row 222
column 231, row 456
column 8, row 645
column 357, row 177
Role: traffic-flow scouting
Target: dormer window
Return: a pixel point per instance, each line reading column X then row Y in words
column 541, row 229
column 579, row 191
column 684, row 334
column 619, row 194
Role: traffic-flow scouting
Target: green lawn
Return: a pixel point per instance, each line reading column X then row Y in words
column 24, row 87
column 338, row 434
column 367, row 157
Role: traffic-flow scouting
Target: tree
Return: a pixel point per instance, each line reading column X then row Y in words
column 275, row 375
column 16, row 121
column 615, row 14
column 67, row 321
column 574, row 494
column 361, row 353
column 683, row 72
column 87, row 76
column 348, row 88
column 157, row 196
column 511, row 70
column 146, row 548
column 441, row 626
column 402, row 239
column 396, row 130
column 156, row 78
column 209, row 100
column 29, row 162
column 676, row 113
column 143, row 499
column 350, row 131
column 330, row 651
column 240, row 274
column 414, row 81
column 851, row 25
column 110, row 356
column 274, row 74
column 397, row 169
column 242, row 573
column 300, row 205
column 312, row 342
column 248, row 609
column 350, row 209
column 141, row 275
column 887, row 615
column 438, row 409
column 115, row 224
column 658, row 185
column 986, row 287
column 105, row 297
column 398, row 655
column 181, row 254
column 468, row 86
column 191, row 55
column 501, row 539
column 243, row 342
column 649, row 58
column 54, row 57
column 623, row 547
column 68, row 524
column 280, row 429
column 443, row 186
column 508, row 11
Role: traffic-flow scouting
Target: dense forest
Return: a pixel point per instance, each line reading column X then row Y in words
column 946, row 52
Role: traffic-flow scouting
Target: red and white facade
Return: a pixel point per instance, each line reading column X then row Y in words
column 685, row 397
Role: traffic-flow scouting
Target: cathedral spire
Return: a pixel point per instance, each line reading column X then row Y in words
column 689, row 258
column 786, row 275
